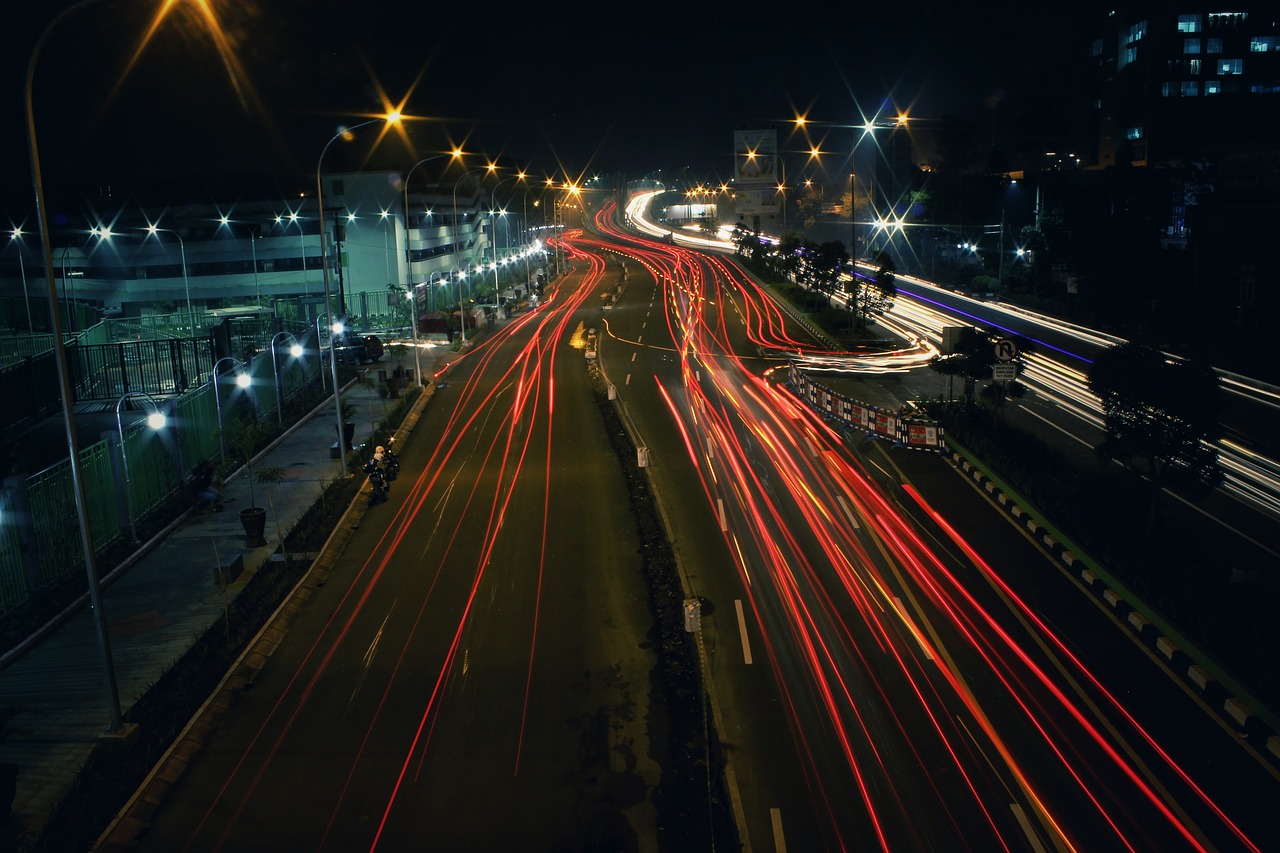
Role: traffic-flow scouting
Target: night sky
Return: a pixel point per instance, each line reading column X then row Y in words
column 574, row 87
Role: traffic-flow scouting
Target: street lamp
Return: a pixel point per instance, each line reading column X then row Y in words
column 64, row 381
column 153, row 231
column 457, row 252
column 14, row 235
column 242, row 379
column 343, row 133
column 296, row 352
column 334, row 329
column 493, row 203
column 302, row 243
column 156, row 420
column 462, row 308
column 408, row 260
column 225, row 222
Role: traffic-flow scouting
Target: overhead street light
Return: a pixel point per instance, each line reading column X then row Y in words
column 343, row 133
column 242, row 379
column 456, row 154
column 64, row 381
column 296, row 351
column 153, row 231
column 156, row 420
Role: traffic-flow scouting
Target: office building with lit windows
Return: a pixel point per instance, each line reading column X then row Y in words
column 128, row 260
column 1175, row 83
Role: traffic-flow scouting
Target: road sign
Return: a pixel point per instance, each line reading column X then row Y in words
column 1006, row 350
column 1004, row 372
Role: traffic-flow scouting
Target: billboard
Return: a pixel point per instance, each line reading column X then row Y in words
column 755, row 157
column 755, row 172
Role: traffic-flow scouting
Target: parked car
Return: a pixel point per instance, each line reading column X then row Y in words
column 356, row 348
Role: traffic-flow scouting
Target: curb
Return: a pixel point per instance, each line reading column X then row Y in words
column 136, row 815
column 1190, row 665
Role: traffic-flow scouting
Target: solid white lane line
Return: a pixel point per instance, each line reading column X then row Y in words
column 1062, row 430
column 742, row 632
column 1026, row 827
column 628, row 382
column 848, row 512
column 779, row 840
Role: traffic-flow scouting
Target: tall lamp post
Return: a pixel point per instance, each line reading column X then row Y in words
column 64, row 383
column 302, row 244
column 457, row 246
column 22, row 266
column 335, row 328
column 225, row 222
column 408, row 261
column 156, row 420
column 296, row 351
column 343, row 132
column 242, row 379
column 493, row 203
column 462, row 310
column 153, row 231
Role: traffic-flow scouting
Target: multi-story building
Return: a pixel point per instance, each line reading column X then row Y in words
column 215, row 255
column 1180, row 83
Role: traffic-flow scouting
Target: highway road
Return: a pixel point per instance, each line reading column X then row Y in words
column 930, row 701
column 891, row 664
column 476, row 673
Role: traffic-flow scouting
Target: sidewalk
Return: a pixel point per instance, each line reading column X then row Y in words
column 156, row 608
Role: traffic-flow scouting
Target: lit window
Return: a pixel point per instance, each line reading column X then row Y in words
column 1262, row 44
column 1166, row 89
column 1194, row 66
column 1213, row 87
column 1188, row 23
column 1191, row 45
column 1136, row 32
column 1130, row 55
column 1095, row 49
column 1230, row 66
column 1190, row 88
column 1213, row 46
column 1227, row 19
column 1133, row 133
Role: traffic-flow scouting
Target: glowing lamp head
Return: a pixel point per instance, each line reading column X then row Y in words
column 156, row 420
column 243, row 380
column 296, row 350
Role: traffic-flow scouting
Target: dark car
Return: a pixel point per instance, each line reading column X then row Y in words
column 357, row 349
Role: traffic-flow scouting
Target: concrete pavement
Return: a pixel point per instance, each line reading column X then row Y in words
column 156, row 605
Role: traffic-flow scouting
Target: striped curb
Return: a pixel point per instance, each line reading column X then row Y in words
column 1180, row 662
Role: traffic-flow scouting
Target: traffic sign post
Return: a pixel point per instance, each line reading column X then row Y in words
column 1004, row 372
column 1006, row 350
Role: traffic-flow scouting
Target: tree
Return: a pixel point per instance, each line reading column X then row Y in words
column 827, row 262
column 876, row 294
column 1160, row 413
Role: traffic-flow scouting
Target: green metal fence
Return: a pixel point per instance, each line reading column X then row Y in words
column 40, row 541
column 59, row 552
column 14, row 586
